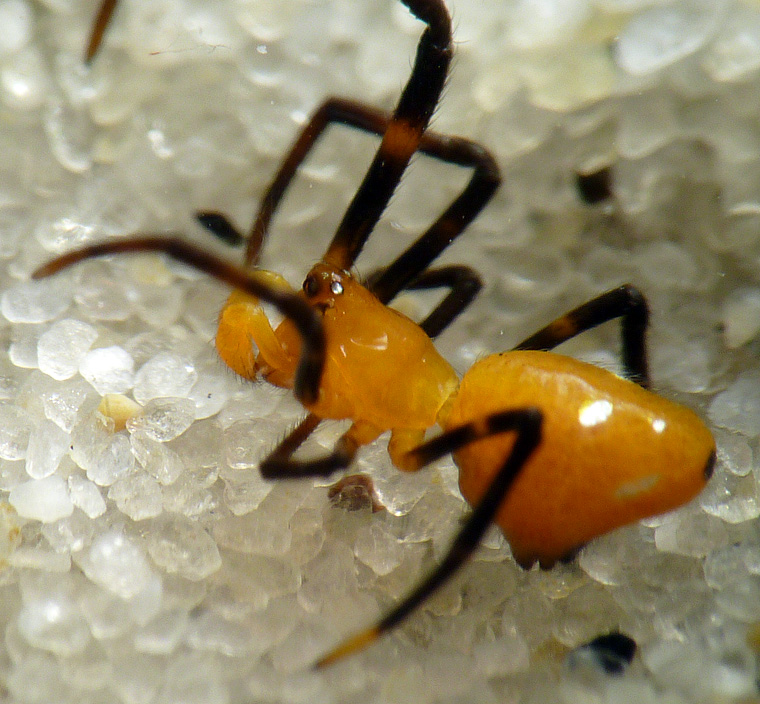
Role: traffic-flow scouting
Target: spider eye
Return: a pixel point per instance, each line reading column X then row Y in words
column 336, row 287
column 311, row 286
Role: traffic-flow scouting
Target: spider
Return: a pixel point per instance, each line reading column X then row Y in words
column 553, row 450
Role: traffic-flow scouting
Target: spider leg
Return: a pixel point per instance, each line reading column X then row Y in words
column 454, row 220
column 625, row 302
column 454, row 150
column 102, row 19
column 526, row 423
column 281, row 465
column 403, row 135
column 463, row 283
column 306, row 320
column 333, row 110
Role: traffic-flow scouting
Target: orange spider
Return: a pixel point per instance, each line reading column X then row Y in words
column 553, row 450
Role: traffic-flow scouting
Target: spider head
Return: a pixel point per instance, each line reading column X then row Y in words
column 325, row 285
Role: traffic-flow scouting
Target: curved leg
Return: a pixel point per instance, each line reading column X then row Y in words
column 463, row 283
column 455, row 219
column 402, row 135
column 526, row 423
column 306, row 320
column 625, row 302
column 281, row 465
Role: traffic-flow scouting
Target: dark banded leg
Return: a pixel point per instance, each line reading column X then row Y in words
column 402, row 137
column 625, row 302
column 98, row 28
column 333, row 110
column 526, row 423
column 453, row 150
column 281, row 465
column 463, row 283
column 306, row 320
column 454, row 220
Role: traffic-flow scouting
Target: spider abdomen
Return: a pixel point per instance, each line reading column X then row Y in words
column 611, row 452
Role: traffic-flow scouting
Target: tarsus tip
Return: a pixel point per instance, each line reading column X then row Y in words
column 43, row 272
column 352, row 645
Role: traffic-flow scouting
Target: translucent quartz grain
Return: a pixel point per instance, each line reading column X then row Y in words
column 731, row 498
column 70, row 133
column 35, row 302
column 244, row 490
column 247, row 442
column 212, row 390
column 36, row 679
column 45, row 499
column 378, row 549
column 741, row 316
column 540, row 23
column 60, row 350
column 110, row 370
column 183, row 547
column 64, row 403
column 92, row 437
column 738, row 407
column 163, row 634
column 24, row 80
column 47, row 446
column 99, row 295
column 735, row 51
column 137, row 495
column 117, row 563
column 16, row 427
column 164, row 419
column 166, row 374
column 662, row 35
column 86, row 496
column 114, row 461
column 55, row 625
column 159, row 461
